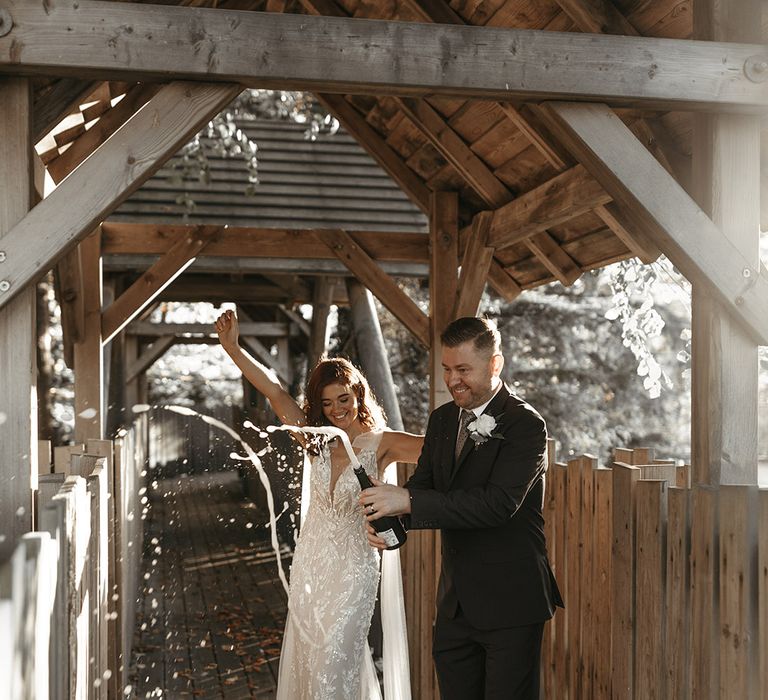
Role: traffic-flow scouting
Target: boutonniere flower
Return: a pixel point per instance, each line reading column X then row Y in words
column 482, row 429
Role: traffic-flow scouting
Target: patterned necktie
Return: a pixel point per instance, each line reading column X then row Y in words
column 466, row 418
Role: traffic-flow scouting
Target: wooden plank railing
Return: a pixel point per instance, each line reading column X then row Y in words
column 68, row 593
column 666, row 586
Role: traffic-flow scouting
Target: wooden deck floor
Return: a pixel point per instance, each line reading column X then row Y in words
column 210, row 621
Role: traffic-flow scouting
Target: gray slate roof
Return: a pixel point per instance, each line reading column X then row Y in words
column 327, row 183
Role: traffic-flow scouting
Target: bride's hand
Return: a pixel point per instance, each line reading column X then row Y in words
column 227, row 328
column 373, row 539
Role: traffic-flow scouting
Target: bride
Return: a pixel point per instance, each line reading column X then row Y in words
column 335, row 573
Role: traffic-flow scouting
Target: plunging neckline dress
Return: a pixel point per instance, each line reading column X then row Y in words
column 332, row 591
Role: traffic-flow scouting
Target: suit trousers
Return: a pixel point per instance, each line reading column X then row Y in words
column 500, row 664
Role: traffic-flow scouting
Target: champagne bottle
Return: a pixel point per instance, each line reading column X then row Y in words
column 389, row 527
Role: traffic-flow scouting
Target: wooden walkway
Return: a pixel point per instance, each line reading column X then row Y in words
column 211, row 618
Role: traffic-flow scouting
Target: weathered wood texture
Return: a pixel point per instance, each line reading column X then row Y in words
column 27, row 589
column 684, row 612
column 498, row 63
column 18, row 361
column 726, row 181
column 691, row 240
column 128, row 158
column 87, row 351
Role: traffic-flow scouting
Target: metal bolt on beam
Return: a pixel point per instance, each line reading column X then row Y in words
column 5, row 285
column 2, row 256
column 756, row 68
column 6, row 22
column 747, row 273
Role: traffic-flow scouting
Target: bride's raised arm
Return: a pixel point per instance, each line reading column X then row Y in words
column 263, row 378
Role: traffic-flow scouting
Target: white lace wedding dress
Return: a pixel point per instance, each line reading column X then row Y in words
column 334, row 579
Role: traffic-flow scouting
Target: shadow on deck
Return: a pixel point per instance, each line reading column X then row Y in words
column 212, row 608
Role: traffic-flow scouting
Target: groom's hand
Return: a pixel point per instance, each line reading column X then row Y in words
column 385, row 499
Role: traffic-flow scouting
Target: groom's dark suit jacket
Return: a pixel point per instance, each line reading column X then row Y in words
column 488, row 506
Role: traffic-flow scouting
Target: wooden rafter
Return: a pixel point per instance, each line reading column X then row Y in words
column 149, row 286
column 262, row 329
column 532, row 123
column 503, row 283
column 602, row 17
column 152, row 354
column 91, row 139
column 609, row 150
column 57, row 102
column 381, row 285
column 453, row 148
column 562, row 198
column 128, row 238
column 329, row 54
column 474, row 171
column 105, row 179
column 379, row 150
column 475, row 266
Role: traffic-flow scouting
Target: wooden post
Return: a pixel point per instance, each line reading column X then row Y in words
column 726, row 167
column 89, row 359
column 443, row 277
column 322, row 299
column 443, row 282
column 371, row 350
column 18, row 359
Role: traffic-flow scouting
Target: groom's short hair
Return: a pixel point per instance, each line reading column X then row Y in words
column 481, row 331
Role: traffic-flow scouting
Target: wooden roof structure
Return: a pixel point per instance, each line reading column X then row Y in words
column 540, row 138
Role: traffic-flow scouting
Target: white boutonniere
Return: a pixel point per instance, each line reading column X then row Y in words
column 482, row 429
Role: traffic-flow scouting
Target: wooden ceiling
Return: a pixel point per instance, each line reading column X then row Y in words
column 551, row 220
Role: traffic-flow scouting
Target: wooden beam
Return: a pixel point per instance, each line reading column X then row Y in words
column 597, row 17
column 97, row 39
column 724, row 377
column 266, row 357
column 57, row 102
column 266, row 267
column 379, row 150
column 149, row 286
column 381, row 285
column 233, row 241
column 147, row 358
column 105, row 179
column 501, row 281
column 437, row 11
column 443, row 280
column 91, row 139
column 602, row 17
column 562, row 198
column 452, row 147
column 262, row 329
column 475, row 266
column 88, row 356
column 322, row 300
column 215, row 291
column 600, row 140
column 296, row 318
column 554, row 258
column 532, row 123
column 18, row 357
column 68, row 286
column 629, row 231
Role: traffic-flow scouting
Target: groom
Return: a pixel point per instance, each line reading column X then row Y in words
column 480, row 480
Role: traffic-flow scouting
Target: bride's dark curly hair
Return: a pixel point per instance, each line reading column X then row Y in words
column 341, row 371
